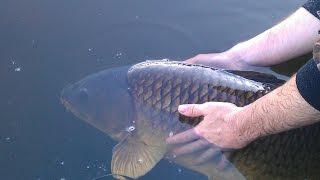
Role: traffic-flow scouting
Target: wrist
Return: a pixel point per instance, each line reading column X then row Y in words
column 239, row 56
column 245, row 131
column 247, row 128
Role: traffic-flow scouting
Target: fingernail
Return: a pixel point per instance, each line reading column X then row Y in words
column 182, row 108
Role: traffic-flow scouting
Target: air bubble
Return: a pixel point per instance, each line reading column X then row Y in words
column 118, row 55
column 7, row 139
column 17, row 69
column 179, row 170
column 130, row 128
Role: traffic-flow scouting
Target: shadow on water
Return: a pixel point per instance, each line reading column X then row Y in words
column 45, row 45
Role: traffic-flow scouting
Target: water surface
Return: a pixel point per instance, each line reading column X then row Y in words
column 47, row 44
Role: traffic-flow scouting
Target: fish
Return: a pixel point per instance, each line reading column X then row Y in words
column 137, row 107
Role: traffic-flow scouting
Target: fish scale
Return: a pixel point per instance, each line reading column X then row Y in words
column 254, row 160
column 149, row 94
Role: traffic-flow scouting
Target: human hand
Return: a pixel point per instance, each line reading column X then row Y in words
column 217, row 134
column 223, row 60
column 231, row 60
column 234, row 58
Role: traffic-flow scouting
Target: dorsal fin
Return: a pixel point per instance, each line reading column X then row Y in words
column 258, row 76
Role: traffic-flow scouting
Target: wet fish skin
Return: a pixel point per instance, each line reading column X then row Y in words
column 164, row 85
column 151, row 92
column 288, row 155
column 275, row 156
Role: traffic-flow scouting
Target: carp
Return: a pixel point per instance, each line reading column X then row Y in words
column 137, row 106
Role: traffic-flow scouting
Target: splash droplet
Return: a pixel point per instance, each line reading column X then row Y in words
column 7, row 139
column 17, row 69
column 118, row 55
column 179, row 170
column 62, row 163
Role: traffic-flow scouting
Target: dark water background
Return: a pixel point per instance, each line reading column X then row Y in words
column 48, row 44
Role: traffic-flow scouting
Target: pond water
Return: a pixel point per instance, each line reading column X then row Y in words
column 47, row 44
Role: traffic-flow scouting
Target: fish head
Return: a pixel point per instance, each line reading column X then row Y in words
column 102, row 100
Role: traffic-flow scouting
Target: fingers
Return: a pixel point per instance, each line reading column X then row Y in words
column 201, row 59
column 191, row 147
column 224, row 163
column 192, row 110
column 208, row 155
column 196, row 110
column 214, row 154
column 194, row 60
column 184, row 137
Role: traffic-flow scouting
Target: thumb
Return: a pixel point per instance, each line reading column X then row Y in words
column 191, row 110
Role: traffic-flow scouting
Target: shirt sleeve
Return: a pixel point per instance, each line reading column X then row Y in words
column 308, row 82
column 313, row 6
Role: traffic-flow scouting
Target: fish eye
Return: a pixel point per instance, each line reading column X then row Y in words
column 83, row 95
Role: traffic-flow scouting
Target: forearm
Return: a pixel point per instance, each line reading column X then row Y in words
column 282, row 109
column 292, row 37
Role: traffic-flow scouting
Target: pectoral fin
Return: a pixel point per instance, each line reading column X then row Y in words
column 133, row 157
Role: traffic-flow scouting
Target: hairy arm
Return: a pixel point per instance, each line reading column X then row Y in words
column 290, row 38
column 282, row 109
column 230, row 127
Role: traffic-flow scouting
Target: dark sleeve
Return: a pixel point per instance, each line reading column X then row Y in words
column 313, row 6
column 308, row 82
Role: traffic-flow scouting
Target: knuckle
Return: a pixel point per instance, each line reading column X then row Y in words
column 193, row 110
